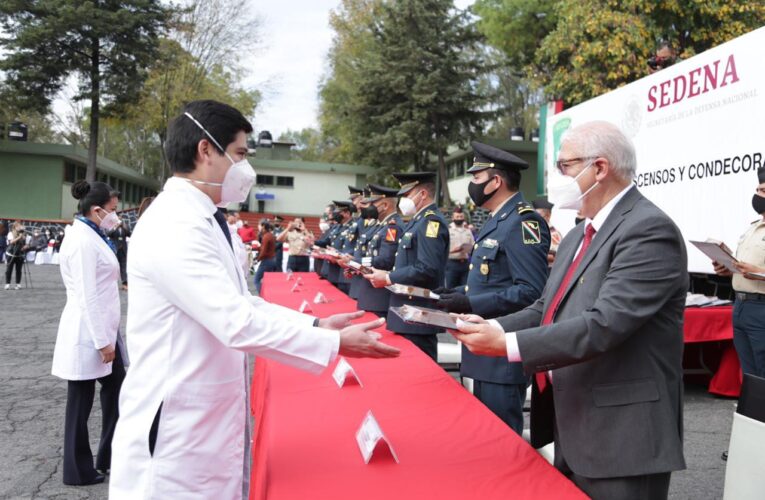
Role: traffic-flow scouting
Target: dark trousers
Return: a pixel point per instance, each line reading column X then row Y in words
column 298, row 263
column 427, row 343
column 13, row 262
column 78, row 458
column 279, row 257
column 266, row 266
column 749, row 335
column 649, row 486
column 122, row 259
column 504, row 400
column 456, row 273
column 344, row 287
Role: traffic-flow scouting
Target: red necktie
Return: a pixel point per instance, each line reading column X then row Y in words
column 589, row 232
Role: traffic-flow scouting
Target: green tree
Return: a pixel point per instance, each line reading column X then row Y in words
column 106, row 44
column 414, row 88
column 309, row 144
column 196, row 61
column 580, row 49
column 352, row 23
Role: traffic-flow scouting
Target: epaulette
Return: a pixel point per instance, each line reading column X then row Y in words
column 524, row 208
column 429, row 212
column 392, row 222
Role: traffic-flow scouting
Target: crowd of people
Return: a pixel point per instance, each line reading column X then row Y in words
column 592, row 321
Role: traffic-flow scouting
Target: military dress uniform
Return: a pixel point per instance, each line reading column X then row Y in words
column 380, row 254
column 348, row 242
column 420, row 260
column 325, row 241
column 749, row 307
column 508, row 272
column 365, row 232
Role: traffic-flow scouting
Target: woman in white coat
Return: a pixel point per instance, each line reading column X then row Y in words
column 86, row 346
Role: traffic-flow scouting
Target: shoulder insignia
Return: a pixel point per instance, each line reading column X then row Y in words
column 429, row 212
column 432, row 229
column 524, row 208
column 531, row 232
column 392, row 222
column 390, row 234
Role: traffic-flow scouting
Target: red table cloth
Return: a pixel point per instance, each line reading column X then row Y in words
column 711, row 324
column 449, row 445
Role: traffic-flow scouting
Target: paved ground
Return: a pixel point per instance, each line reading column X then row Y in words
column 32, row 407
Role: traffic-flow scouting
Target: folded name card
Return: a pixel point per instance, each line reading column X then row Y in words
column 344, row 371
column 305, row 307
column 370, row 438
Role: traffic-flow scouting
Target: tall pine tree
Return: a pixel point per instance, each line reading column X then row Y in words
column 107, row 44
column 414, row 90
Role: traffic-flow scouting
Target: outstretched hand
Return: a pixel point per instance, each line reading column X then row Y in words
column 339, row 321
column 356, row 341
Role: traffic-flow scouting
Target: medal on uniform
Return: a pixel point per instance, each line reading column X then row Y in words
column 484, row 268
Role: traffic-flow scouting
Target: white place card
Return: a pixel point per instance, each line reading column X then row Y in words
column 370, row 438
column 289, row 274
column 344, row 371
column 320, row 299
column 297, row 284
column 305, row 307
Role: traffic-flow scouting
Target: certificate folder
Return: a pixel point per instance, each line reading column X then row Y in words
column 413, row 291
column 719, row 252
column 425, row 316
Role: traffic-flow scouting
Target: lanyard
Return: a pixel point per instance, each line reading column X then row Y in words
column 98, row 231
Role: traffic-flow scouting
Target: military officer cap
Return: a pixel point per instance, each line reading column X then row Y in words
column 542, row 203
column 486, row 156
column 409, row 180
column 344, row 205
column 761, row 174
column 378, row 192
column 354, row 191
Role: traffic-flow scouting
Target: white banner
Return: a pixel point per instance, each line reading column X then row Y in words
column 699, row 131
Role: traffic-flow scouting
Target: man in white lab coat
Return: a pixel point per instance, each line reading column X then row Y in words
column 191, row 322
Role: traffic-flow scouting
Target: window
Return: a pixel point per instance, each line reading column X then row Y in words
column 265, row 180
column 80, row 173
column 285, row 181
column 69, row 172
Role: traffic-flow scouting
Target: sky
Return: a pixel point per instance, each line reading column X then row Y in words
column 291, row 61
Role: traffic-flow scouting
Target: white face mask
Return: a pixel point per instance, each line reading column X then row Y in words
column 323, row 226
column 239, row 224
column 567, row 193
column 109, row 222
column 239, row 179
column 407, row 206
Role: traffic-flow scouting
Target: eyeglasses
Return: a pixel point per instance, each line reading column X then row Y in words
column 562, row 165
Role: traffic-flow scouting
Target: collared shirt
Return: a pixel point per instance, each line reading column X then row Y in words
column 298, row 242
column 460, row 236
column 513, row 353
column 751, row 249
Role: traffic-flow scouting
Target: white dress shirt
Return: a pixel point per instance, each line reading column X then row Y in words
column 513, row 353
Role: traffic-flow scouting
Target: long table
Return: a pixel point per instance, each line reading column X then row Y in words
column 449, row 445
column 715, row 324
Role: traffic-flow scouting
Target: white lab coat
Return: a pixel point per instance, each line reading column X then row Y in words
column 190, row 323
column 91, row 316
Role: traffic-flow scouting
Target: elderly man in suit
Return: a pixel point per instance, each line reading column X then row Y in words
column 605, row 339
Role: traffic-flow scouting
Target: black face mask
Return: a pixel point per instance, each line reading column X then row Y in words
column 458, row 222
column 338, row 218
column 370, row 212
column 476, row 192
column 758, row 203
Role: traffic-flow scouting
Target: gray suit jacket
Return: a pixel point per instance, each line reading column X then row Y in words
column 615, row 346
